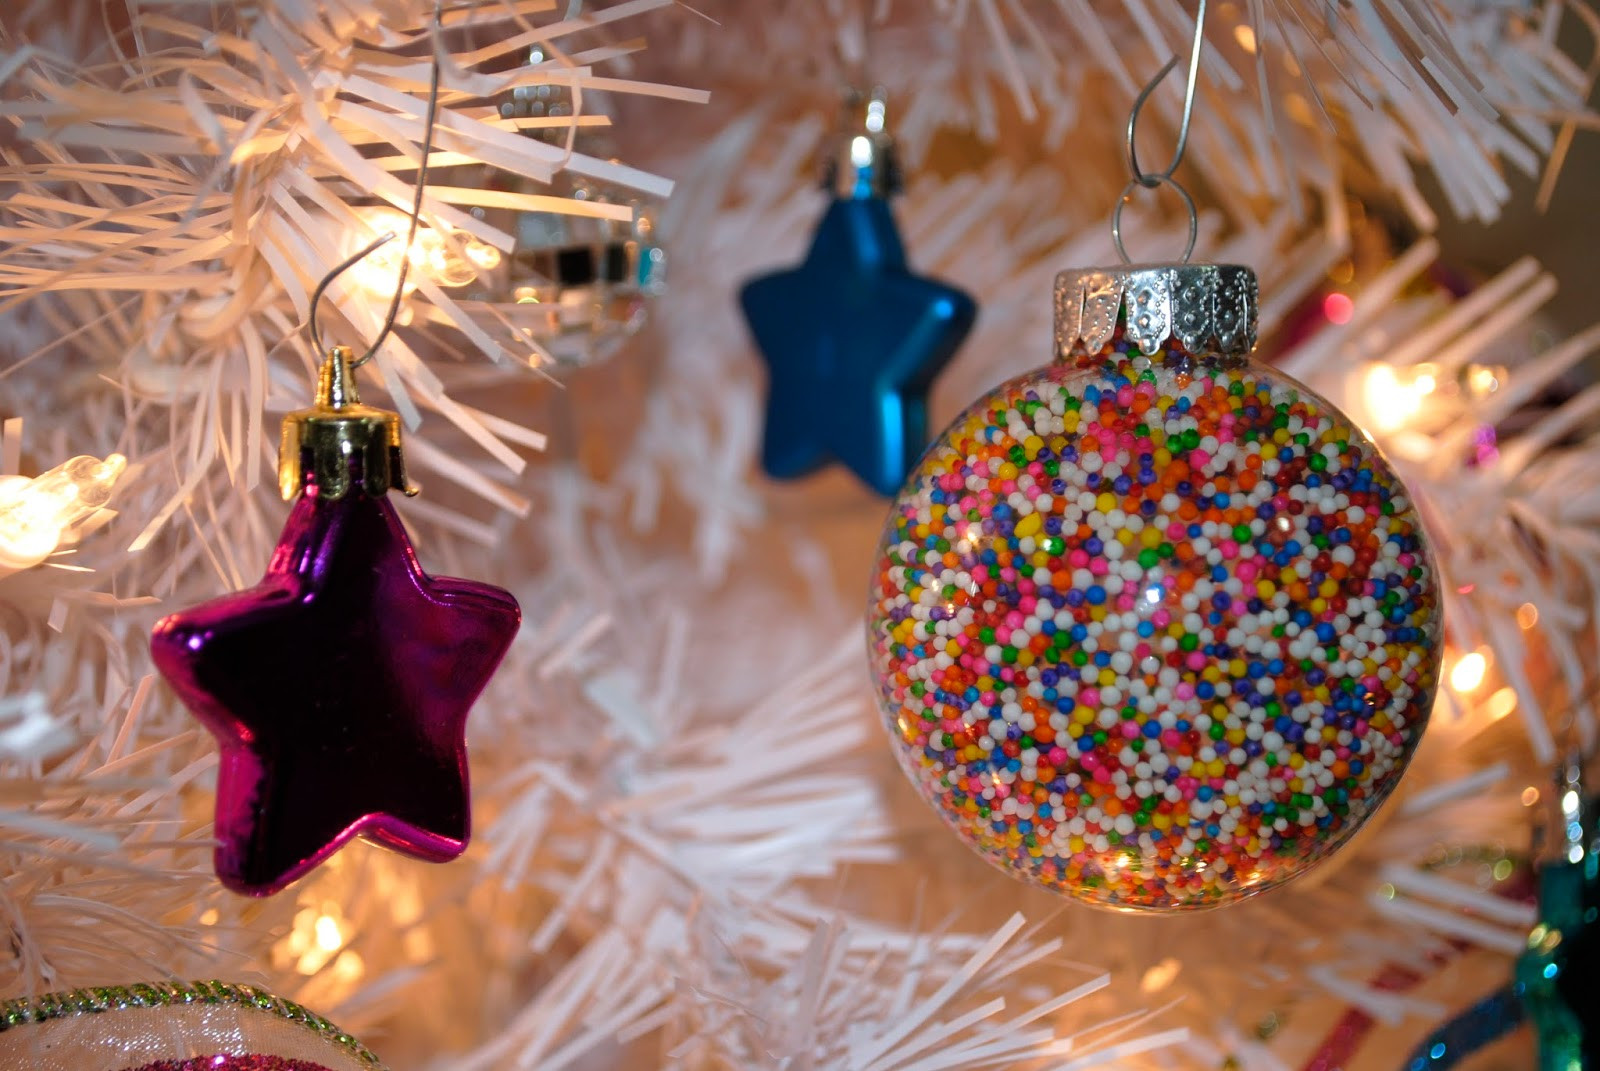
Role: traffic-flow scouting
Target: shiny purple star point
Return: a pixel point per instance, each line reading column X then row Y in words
column 338, row 690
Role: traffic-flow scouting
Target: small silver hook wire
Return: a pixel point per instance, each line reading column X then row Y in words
column 1127, row 195
column 429, row 123
column 1152, row 179
column 339, row 269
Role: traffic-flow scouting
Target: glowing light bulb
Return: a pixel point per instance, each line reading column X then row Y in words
column 318, row 934
column 1337, row 307
column 484, row 257
column 449, row 259
column 1160, row 976
column 327, row 933
column 1393, row 396
column 1484, row 379
column 377, row 272
column 349, row 967
column 1501, row 703
column 36, row 514
column 1468, row 672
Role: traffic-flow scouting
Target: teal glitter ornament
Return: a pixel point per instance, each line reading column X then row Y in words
column 1556, row 981
column 1558, row 976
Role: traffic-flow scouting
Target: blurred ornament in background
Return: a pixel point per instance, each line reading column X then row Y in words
column 1155, row 627
column 1558, row 977
column 1556, row 980
column 39, row 515
column 581, row 285
column 575, row 286
column 852, row 339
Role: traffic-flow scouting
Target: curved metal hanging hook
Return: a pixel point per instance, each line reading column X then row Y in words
column 429, row 123
column 1150, row 180
column 339, row 269
column 1127, row 195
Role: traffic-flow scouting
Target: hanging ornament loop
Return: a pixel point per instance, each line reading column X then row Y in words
column 429, row 123
column 1133, row 186
column 864, row 163
column 338, row 444
column 1151, row 180
column 339, row 269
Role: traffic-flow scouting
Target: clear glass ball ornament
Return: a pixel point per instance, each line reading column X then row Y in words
column 577, row 284
column 1152, row 628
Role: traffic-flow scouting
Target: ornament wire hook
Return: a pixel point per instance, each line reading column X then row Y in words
column 339, row 269
column 1127, row 195
column 1153, row 179
column 429, row 124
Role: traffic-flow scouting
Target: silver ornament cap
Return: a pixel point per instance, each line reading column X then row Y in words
column 863, row 162
column 1210, row 309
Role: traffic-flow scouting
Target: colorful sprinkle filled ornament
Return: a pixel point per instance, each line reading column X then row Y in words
column 1154, row 627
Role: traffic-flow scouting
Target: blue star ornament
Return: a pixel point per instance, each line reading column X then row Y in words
column 852, row 341
column 851, row 338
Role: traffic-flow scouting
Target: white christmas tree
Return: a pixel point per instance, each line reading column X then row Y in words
column 692, row 850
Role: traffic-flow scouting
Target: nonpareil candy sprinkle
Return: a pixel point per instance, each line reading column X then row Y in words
column 1154, row 632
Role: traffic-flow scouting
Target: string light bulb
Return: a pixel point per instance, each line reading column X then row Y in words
column 1394, row 396
column 448, row 259
column 1501, row 703
column 1159, row 976
column 1468, row 672
column 37, row 514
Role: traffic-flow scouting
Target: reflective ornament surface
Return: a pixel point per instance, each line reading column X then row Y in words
column 338, row 690
column 577, row 284
column 576, row 287
column 1152, row 629
column 852, row 342
column 338, row 687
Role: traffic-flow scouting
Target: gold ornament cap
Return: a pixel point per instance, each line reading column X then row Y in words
column 340, row 445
